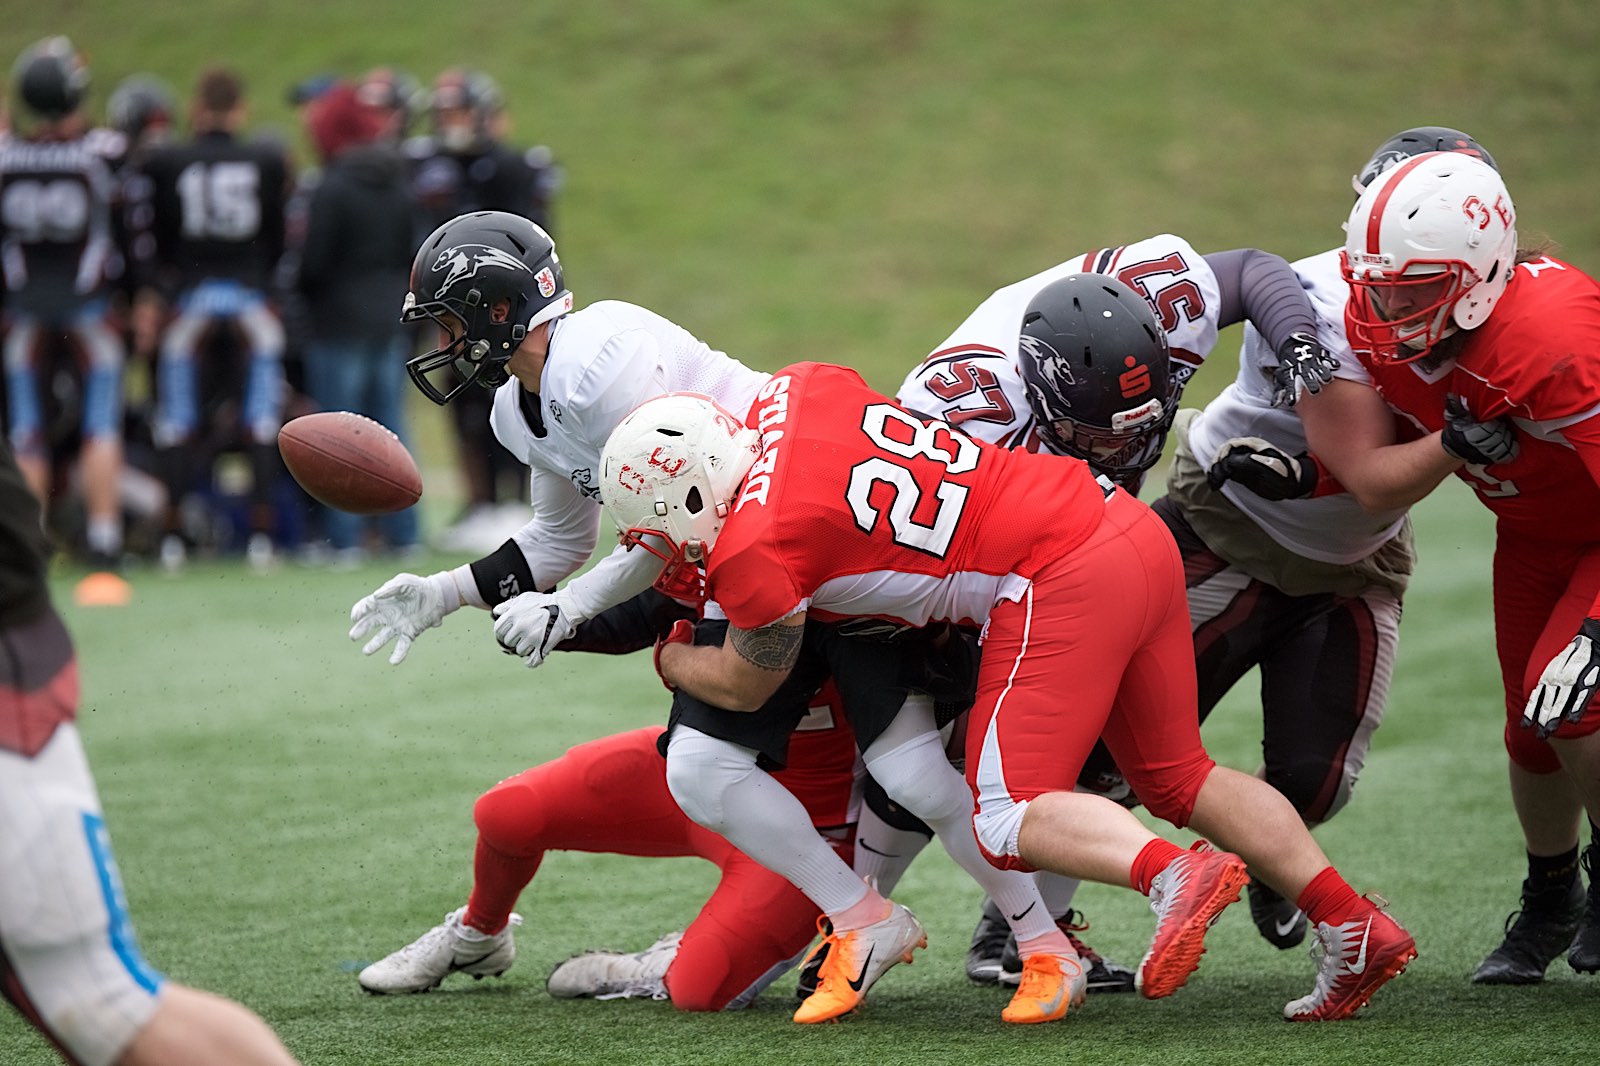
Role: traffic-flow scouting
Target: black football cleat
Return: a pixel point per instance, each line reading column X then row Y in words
column 811, row 968
column 1535, row 936
column 986, row 958
column 1280, row 922
column 1584, row 955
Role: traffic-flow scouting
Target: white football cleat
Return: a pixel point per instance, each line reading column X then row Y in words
column 443, row 950
column 615, row 974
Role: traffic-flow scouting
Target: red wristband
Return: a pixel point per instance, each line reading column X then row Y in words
column 682, row 632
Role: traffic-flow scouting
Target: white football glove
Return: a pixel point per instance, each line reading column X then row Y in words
column 401, row 609
column 1568, row 683
column 532, row 624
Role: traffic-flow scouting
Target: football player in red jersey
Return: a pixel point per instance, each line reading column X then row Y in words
column 859, row 508
column 1480, row 360
column 750, row 931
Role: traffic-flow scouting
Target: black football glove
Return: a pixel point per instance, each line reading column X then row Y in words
column 1303, row 366
column 1474, row 442
column 1567, row 685
column 1265, row 470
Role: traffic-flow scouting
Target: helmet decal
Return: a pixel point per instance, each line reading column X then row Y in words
column 465, row 260
column 1097, row 373
column 1055, row 370
column 547, row 282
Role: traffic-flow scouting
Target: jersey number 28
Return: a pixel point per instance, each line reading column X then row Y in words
column 907, row 437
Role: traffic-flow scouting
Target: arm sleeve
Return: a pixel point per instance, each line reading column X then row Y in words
column 563, row 532
column 1263, row 288
column 630, row 626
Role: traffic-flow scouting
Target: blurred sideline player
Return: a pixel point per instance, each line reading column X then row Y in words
column 1079, row 590
column 1477, row 358
column 1307, row 584
column 59, row 253
column 69, row 962
column 460, row 166
column 999, row 383
column 217, row 216
column 492, row 284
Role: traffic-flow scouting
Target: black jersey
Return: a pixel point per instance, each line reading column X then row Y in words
column 23, row 548
column 57, row 247
column 217, row 210
column 493, row 178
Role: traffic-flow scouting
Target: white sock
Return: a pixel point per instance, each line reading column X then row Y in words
column 882, row 852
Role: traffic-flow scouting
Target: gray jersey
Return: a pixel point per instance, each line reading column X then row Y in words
column 1331, row 529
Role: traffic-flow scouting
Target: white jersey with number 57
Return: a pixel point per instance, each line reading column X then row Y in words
column 974, row 379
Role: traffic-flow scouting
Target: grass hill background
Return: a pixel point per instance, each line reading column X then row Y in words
column 841, row 181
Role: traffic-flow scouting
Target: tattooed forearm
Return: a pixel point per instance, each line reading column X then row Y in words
column 773, row 647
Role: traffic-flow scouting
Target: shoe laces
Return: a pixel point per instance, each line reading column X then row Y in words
column 1040, row 973
column 1072, row 923
column 1334, row 945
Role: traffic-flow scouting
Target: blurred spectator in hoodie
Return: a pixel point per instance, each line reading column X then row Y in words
column 354, row 273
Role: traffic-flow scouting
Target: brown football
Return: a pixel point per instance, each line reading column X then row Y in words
column 350, row 462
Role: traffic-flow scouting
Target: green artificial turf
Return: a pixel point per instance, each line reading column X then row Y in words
column 839, row 181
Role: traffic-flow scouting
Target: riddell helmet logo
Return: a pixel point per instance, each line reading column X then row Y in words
column 466, row 260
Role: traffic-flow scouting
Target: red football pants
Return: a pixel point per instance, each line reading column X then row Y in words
column 1543, row 590
column 610, row 795
column 1099, row 646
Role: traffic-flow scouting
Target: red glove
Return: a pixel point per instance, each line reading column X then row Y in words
column 682, row 632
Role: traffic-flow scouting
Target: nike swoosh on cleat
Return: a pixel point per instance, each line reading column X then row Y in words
column 1054, row 1003
column 861, row 978
column 1285, row 928
column 1025, row 911
column 1360, row 965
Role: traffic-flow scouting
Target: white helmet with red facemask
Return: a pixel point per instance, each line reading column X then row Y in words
column 1429, row 248
column 669, row 475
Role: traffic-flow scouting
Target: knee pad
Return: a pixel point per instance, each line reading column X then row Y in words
column 509, row 818
column 917, row 776
column 893, row 814
column 700, row 771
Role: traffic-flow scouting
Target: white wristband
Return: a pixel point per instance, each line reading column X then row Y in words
column 457, row 589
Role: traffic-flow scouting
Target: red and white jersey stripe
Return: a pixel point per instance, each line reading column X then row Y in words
column 974, row 378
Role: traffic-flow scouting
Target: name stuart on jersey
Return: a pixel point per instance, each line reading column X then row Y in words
column 772, row 408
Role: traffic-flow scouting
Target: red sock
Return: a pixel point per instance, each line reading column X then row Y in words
column 1329, row 899
column 497, row 880
column 1151, row 860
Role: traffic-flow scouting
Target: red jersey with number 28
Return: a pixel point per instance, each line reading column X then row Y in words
column 1535, row 360
column 857, row 507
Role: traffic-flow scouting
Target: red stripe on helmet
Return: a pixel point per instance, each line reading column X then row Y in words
column 1375, row 219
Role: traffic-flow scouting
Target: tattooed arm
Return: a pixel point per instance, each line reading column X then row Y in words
column 740, row 674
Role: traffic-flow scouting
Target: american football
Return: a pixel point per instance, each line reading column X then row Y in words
column 348, row 461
